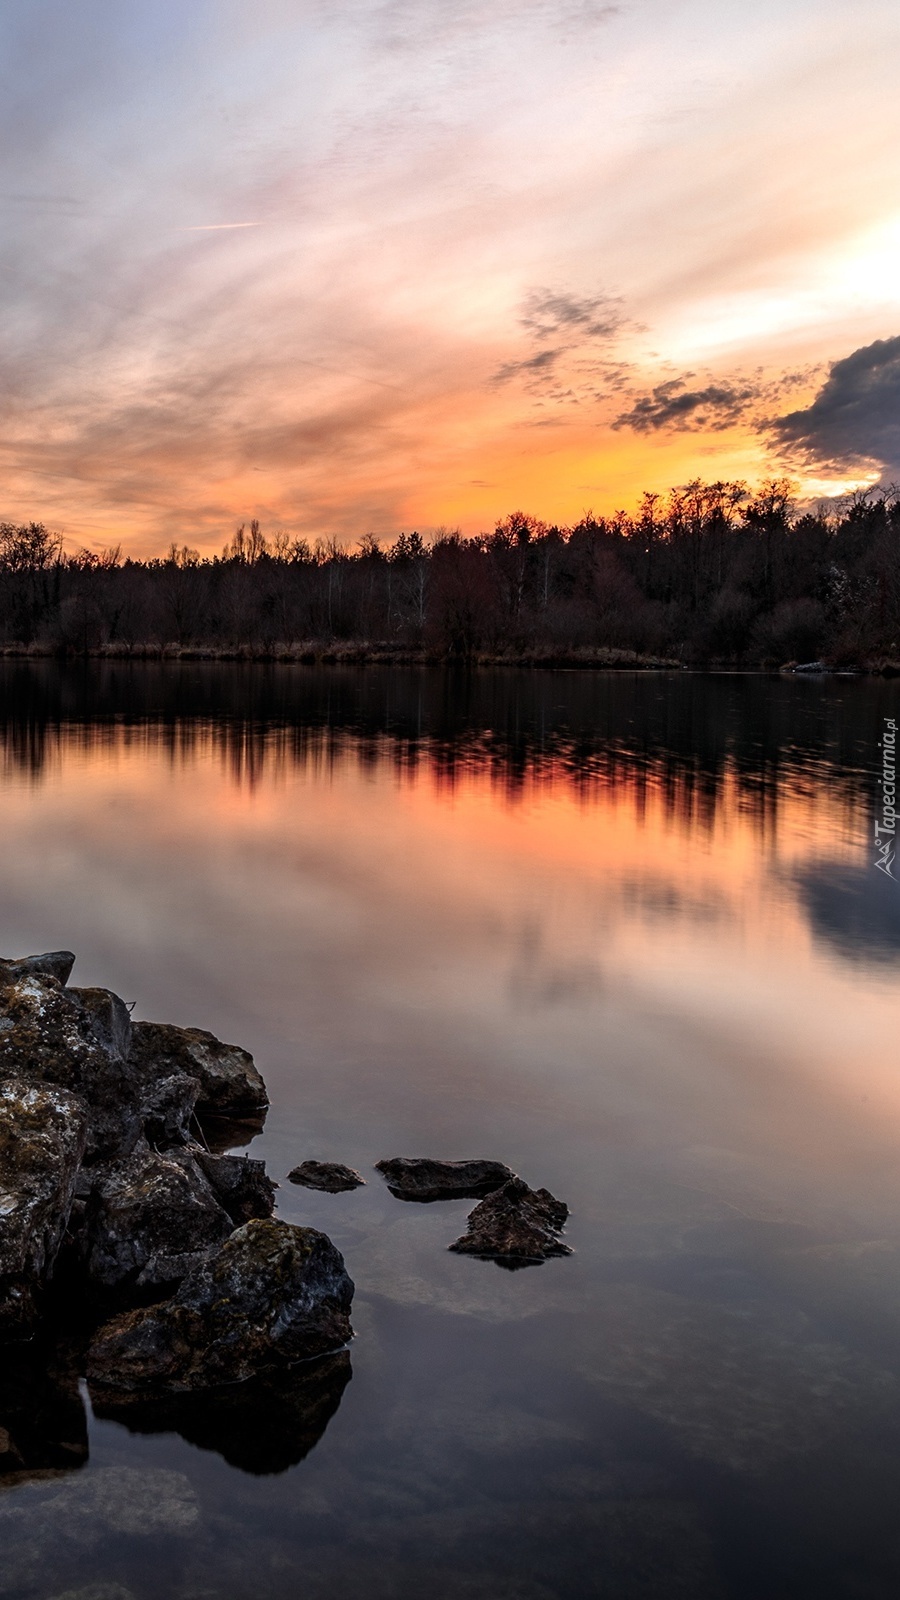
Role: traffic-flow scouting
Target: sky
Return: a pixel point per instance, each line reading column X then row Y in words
column 357, row 266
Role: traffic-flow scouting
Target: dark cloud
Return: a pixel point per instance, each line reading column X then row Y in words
column 673, row 405
column 578, row 325
column 532, row 366
column 547, row 315
column 855, row 418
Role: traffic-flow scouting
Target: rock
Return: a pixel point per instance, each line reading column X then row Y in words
column 271, row 1294
column 149, row 1219
column 42, row 1141
column 262, row 1426
column 239, row 1183
column 167, row 1109
column 229, row 1082
column 77, row 1039
column 107, row 1018
column 515, row 1226
column 56, row 964
column 330, row 1176
column 416, row 1178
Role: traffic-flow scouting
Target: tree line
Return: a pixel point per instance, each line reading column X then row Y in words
column 708, row 574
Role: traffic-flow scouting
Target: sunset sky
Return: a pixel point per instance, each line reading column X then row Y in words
column 378, row 264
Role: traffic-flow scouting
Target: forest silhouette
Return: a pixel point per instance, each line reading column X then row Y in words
column 711, row 574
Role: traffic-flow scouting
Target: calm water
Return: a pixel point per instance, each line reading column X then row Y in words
column 622, row 933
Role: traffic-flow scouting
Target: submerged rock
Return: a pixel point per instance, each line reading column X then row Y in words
column 229, row 1082
column 239, row 1183
column 271, row 1294
column 50, row 1530
column 149, row 1219
column 418, row 1178
column 515, row 1226
column 64, row 1515
column 262, row 1426
column 77, row 1039
column 330, row 1176
column 42, row 1141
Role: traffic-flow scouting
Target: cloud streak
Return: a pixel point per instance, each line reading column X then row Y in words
column 454, row 254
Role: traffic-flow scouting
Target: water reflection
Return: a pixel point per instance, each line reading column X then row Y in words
column 596, row 730
column 263, row 1426
column 852, row 908
column 43, row 1426
column 621, row 933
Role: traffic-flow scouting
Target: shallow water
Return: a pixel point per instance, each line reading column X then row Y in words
column 623, row 933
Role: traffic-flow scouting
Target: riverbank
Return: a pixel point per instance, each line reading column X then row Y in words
column 361, row 653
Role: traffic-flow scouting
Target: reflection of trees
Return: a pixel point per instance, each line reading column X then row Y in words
column 673, row 737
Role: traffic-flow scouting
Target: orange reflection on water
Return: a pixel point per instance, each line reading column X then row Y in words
column 625, row 947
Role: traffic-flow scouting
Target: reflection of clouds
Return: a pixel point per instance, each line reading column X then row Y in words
column 540, row 981
column 661, row 897
column 854, row 910
column 742, row 1393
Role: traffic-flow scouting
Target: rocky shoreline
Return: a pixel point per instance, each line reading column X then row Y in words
column 107, row 1179
column 117, row 1200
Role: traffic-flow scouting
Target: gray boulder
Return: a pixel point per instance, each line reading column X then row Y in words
column 56, row 964
column 329, row 1176
column 271, row 1294
column 76, row 1039
column 515, row 1226
column 417, row 1178
column 239, row 1183
column 167, row 1108
column 229, row 1082
column 149, row 1219
column 42, row 1141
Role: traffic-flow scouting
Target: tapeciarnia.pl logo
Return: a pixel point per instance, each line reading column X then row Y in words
column 886, row 829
